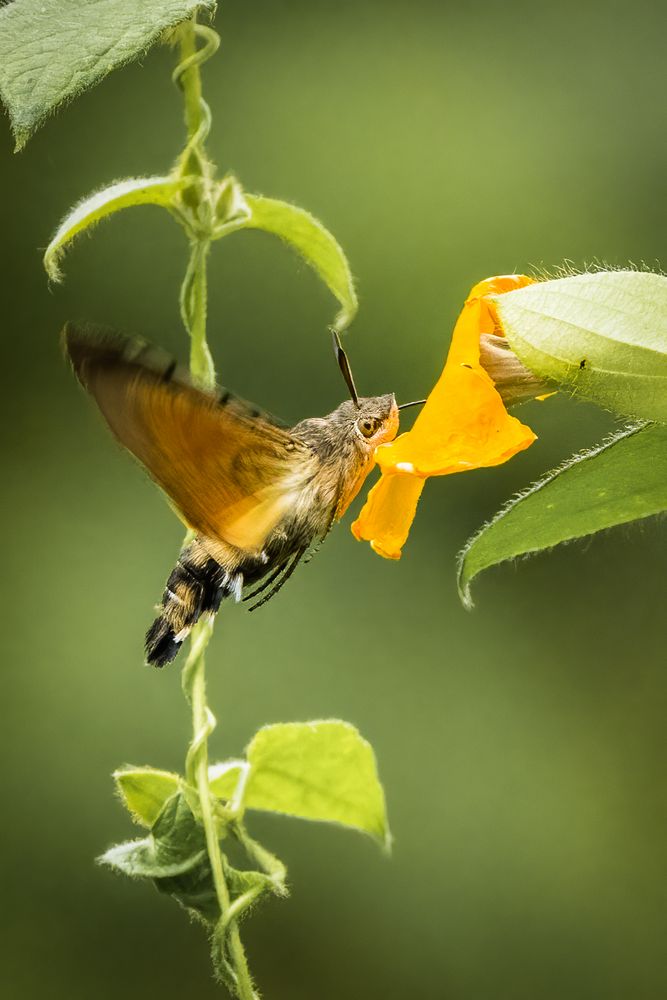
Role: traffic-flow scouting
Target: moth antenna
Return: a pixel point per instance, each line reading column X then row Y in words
column 415, row 402
column 344, row 365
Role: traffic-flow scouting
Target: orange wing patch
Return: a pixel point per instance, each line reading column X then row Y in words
column 230, row 472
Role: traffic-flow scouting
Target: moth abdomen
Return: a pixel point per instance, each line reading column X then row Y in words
column 196, row 586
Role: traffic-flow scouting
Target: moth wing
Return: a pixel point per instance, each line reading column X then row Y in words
column 231, row 471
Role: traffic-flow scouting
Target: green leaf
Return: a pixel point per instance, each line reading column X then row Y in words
column 175, row 845
column 223, row 779
column 316, row 245
column 601, row 335
column 622, row 480
column 194, row 890
column 175, row 857
column 122, row 194
column 315, row 770
column 51, row 50
column 144, row 790
column 241, row 881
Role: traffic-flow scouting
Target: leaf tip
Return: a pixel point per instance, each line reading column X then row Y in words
column 118, row 856
column 463, row 580
column 466, row 597
column 21, row 135
column 386, row 841
column 51, row 264
column 109, row 858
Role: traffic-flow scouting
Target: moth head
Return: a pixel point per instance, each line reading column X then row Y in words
column 372, row 420
column 377, row 419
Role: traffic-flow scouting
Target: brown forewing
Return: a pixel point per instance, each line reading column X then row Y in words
column 230, row 471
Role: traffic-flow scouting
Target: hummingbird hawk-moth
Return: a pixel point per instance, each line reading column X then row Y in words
column 257, row 495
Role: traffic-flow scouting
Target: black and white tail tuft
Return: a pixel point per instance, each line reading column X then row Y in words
column 196, row 586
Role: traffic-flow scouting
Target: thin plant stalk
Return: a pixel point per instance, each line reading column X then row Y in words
column 228, row 953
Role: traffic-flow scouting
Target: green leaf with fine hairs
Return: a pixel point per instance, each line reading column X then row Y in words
column 194, row 890
column 602, row 336
column 144, row 791
column 175, row 845
column 228, row 778
column 302, row 231
column 174, row 856
column 313, row 770
column 89, row 211
column 622, row 480
column 52, row 50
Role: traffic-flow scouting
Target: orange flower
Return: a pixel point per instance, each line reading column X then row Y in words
column 463, row 425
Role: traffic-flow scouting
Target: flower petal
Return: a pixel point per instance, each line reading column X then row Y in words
column 463, row 425
column 388, row 513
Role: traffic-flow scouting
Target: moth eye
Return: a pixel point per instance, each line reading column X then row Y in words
column 368, row 426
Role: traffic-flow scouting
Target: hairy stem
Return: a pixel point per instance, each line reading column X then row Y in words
column 197, row 112
column 228, row 953
column 193, row 313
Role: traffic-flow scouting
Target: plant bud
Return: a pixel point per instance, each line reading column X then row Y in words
column 514, row 382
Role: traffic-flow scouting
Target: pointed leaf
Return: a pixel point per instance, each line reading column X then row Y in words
column 623, row 480
column 223, row 779
column 175, row 857
column 144, row 790
column 122, row 194
column 175, row 845
column 241, row 881
column 51, row 50
column 319, row 771
column 602, row 335
column 316, row 245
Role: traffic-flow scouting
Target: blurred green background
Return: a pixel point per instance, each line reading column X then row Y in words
column 522, row 745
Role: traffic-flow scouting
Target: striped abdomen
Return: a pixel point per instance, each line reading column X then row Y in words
column 196, row 586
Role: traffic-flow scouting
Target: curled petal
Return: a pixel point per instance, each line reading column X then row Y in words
column 388, row 513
